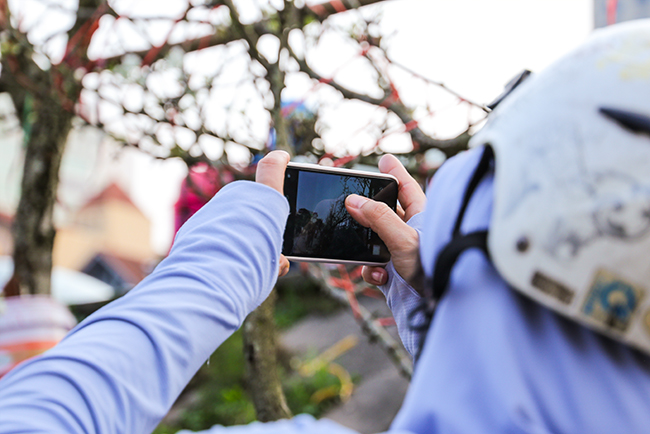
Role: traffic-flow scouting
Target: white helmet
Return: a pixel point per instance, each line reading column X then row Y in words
column 571, row 219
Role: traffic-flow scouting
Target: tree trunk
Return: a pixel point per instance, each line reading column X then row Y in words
column 276, row 79
column 260, row 353
column 33, row 223
column 259, row 333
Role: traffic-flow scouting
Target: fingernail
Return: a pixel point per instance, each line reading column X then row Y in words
column 356, row 201
column 377, row 276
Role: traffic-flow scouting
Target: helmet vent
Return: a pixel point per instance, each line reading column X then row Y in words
column 635, row 122
column 512, row 85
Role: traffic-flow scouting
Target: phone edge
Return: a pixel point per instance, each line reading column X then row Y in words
column 336, row 262
column 341, row 170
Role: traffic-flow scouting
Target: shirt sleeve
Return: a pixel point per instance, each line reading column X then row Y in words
column 121, row 369
column 402, row 299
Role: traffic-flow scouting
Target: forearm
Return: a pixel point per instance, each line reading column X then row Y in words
column 122, row 368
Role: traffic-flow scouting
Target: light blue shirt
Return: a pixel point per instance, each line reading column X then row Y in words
column 493, row 362
column 496, row 362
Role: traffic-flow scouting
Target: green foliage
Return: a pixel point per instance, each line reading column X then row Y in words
column 300, row 391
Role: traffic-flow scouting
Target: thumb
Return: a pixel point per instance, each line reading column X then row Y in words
column 380, row 218
column 270, row 170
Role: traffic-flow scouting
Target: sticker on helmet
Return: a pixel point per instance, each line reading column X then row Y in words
column 552, row 287
column 612, row 301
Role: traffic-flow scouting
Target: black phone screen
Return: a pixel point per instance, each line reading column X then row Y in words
column 319, row 225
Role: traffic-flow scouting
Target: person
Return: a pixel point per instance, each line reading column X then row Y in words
column 528, row 322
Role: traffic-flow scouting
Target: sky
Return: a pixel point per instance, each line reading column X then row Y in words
column 473, row 46
column 476, row 46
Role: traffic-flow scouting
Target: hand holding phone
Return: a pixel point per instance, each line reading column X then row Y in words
column 319, row 227
column 270, row 172
column 401, row 239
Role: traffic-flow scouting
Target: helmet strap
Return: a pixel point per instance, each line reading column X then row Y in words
column 437, row 284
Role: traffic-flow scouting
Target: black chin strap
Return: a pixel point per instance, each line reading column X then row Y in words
column 438, row 283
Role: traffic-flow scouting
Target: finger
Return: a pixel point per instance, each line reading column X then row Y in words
column 410, row 195
column 383, row 220
column 271, row 168
column 374, row 275
column 284, row 266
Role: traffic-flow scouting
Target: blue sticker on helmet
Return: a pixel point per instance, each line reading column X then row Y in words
column 612, row 301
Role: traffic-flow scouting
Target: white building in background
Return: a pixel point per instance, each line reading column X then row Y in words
column 608, row 12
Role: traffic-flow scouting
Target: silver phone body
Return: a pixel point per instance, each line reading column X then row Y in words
column 322, row 180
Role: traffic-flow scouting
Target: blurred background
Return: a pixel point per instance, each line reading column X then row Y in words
column 120, row 119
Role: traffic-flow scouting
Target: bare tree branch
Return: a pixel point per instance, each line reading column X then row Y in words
column 224, row 35
column 367, row 322
column 448, row 147
column 322, row 11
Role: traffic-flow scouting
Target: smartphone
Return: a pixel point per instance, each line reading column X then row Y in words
column 319, row 227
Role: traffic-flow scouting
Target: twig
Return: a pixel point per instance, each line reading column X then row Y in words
column 368, row 323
